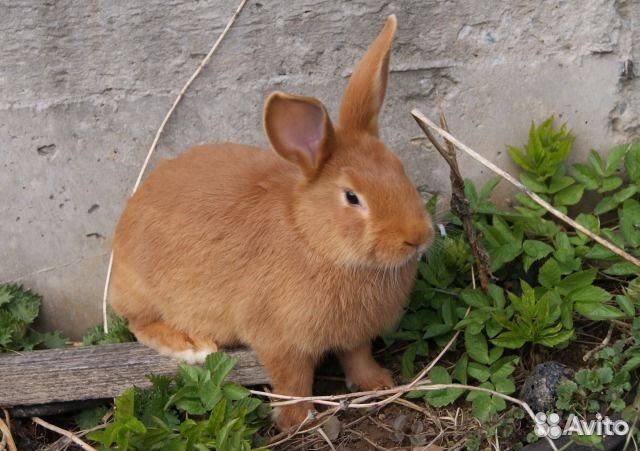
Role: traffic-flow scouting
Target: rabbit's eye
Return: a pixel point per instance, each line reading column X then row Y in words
column 351, row 198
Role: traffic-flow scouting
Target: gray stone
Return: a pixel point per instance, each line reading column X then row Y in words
column 85, row 85
column 539, row 390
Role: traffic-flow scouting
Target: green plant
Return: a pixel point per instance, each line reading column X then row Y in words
column 545, row 152
column 118, row 333
column 548, row 282
column 535, row 319
column 18, row 310
column 199, row 411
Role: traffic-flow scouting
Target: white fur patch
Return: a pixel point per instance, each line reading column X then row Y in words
column 190, row 356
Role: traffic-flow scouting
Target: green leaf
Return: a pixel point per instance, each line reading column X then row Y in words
column 606, row 204
column 476, row 346
column 630, row 222
column 460, row 370
column 495, row 353
column 614, row 157
column 489, row 186
column 536, row 249
column 554, row 339
column 631, row 364
column 190, row 373
column 599, row 252
column 223, row 433
column 590, row 294
column 597, row 312
column 622, row 269
column 509, row 340
column 470, row 192
column 526, row 201
column 560, row 183
column 24, row 308
column 219, row 365
column 497, row 295
column 596, row 162
column 440, row 398
column 570, row 195
column 626, row 305
column 191, row 406
column 492, row 328
column 632, row 162
column 503, row 367
column 585, row 175
column 613, row 237
column 407, row 362
column 482, row 407
column 477, row 371
column 549, row 274
column 504, row 254
column 590, row 222
column 610, row 184
column 576, row 280
column 519, row 158
column 532, row 183
column 436, row 330
column 54, row 340
column 474, row 298
column 5, row 294
column 538, row 226
column 625, row 193
column 504, row 385
column 234, row 391
column 90, row 418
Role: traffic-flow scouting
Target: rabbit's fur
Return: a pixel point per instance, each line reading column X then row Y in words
column 231, row 244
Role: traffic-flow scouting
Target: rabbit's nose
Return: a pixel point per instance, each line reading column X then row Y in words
column 418, row 235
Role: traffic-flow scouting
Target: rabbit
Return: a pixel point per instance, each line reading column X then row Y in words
column 307, row 249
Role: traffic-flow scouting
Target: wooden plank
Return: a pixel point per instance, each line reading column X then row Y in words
column 95, row 372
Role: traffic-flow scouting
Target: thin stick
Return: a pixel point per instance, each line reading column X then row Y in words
column 601, row 346
column 359, row 404
column 70, row 435
column 6, row 436
column 154, row 144
column 421, row 118
column 326, row 439
column 460, row 204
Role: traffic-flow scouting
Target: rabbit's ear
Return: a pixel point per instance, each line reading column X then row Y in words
column 299, row 129
column 362, row 100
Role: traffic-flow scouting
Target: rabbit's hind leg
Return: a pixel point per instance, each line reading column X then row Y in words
column 171, row 342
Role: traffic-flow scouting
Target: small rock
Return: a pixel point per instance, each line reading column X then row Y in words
column 332, row 428
column 539, row 389
column 400, row 423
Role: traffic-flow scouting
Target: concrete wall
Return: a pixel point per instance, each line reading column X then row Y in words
column 85, row 84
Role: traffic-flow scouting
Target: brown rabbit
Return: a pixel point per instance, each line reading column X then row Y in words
column 309, row 249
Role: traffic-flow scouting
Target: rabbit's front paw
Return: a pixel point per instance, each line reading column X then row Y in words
column 287, row 417
column 371, row 379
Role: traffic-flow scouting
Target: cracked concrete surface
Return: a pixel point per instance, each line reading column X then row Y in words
column 85, row 85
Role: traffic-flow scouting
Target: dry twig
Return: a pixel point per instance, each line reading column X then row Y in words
column 5, row 428
column 70, row 435
column 201, row 66
column 326, row 438
column 7, row 438
column 422, row 119
column 459, row 203
column 358, row 403
column 601, row 346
